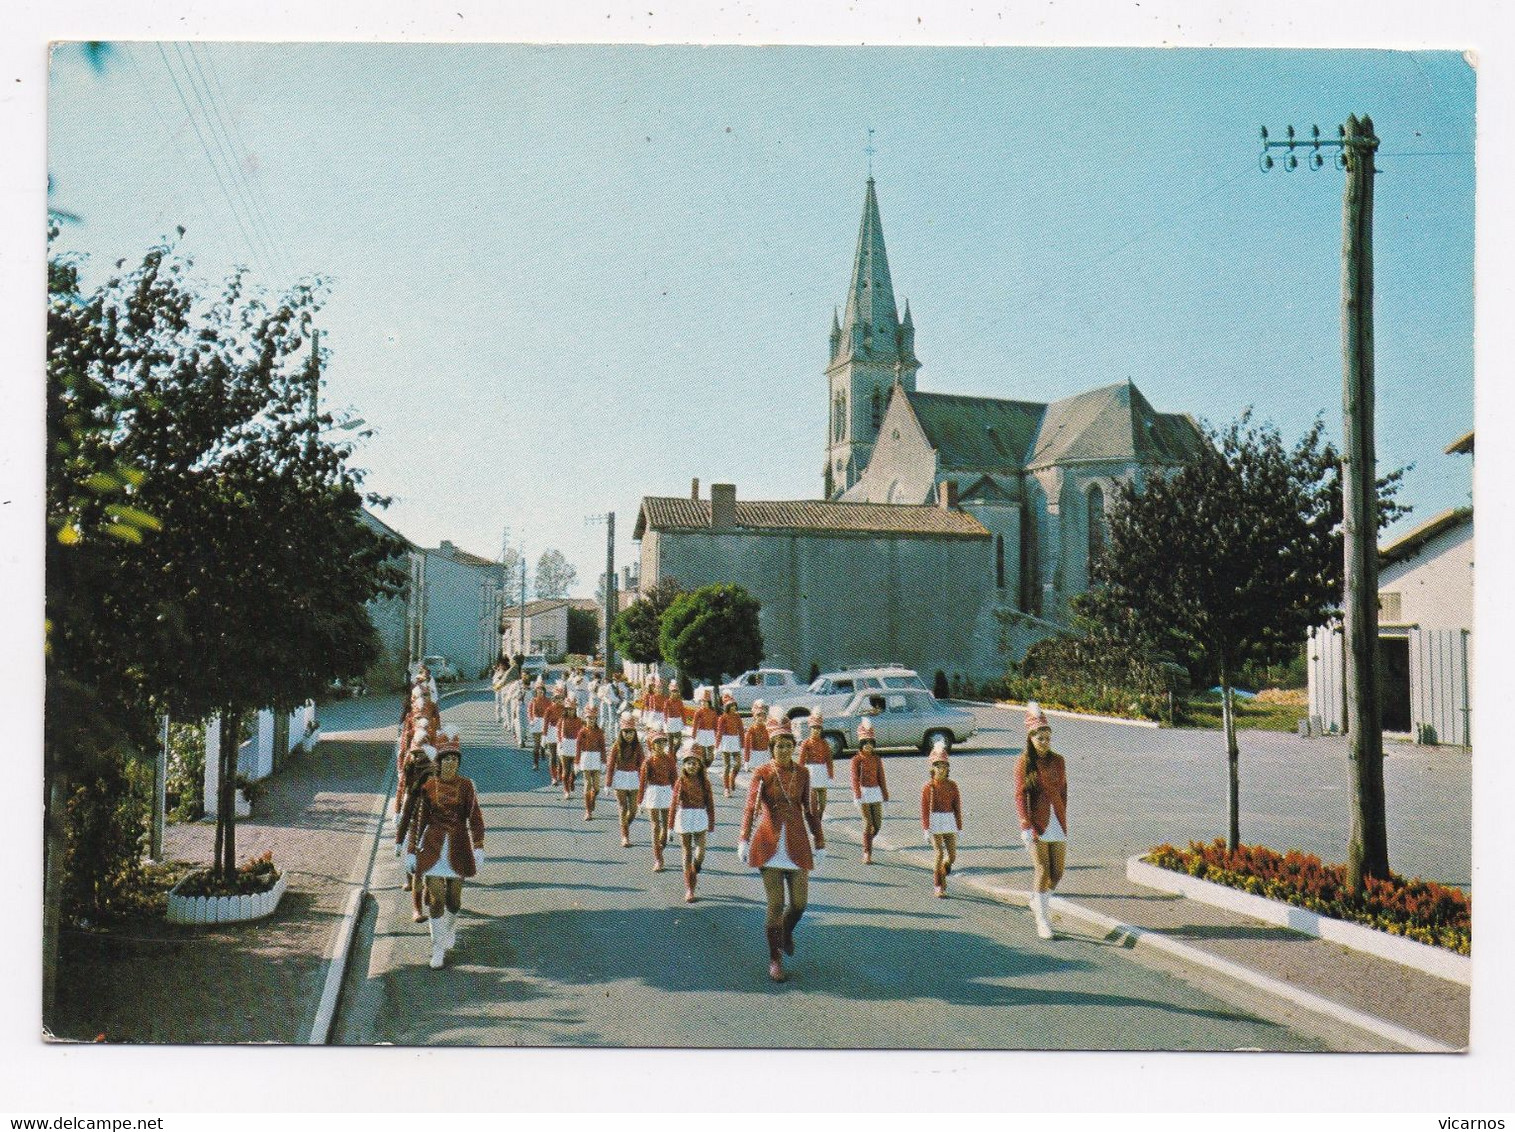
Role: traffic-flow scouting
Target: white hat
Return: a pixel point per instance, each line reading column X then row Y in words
column 758, row 705
column 628, row 721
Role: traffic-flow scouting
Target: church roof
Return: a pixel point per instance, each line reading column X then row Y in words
column 870, row 300
column 976, row 433
column 985, row 490
column 1112, row 423
column 675, row 513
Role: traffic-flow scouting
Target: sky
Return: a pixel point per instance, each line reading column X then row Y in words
column 563, row 278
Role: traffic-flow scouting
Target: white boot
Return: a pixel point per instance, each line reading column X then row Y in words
column 449, row 930
column 438, row 947
column 1039, row 913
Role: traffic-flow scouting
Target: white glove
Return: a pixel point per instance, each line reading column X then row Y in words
column 1028, row 836
column 410, row 862
column 926, row 836
column 478, row 858
column 858, row 802
column 743, row 852
column 820, row 857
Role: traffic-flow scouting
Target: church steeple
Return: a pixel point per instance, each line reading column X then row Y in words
column 871, row 350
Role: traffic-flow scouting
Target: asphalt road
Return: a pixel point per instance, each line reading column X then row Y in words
column 570, row 940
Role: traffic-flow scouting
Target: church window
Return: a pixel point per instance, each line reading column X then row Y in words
column 877, row 409
column 999, row 561
column 1096, row 523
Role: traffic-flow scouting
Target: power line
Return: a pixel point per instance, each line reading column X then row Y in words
column 236, row 216
column 152, row 100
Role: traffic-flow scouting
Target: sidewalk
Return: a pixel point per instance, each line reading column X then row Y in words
column 1093, row 895
column 151, row 981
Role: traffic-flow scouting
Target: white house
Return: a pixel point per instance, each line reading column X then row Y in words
column 546, row 624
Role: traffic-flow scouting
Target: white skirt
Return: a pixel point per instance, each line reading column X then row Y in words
column 757, row 759
column 781, row 858
column 443, row 868
column 568, row 748
column 535, row 726
column 872, row 794
column 590, row 760
column 691, row 821
column 656, row 719
column 943, row 822
column 657, row 797
column 674, row 724
column 731, row 744
column 625, row 780
column 704, row 738
column 1054, row 830
column 550, row 736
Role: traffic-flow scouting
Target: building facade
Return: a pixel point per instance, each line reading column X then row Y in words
column 454, row 608
column 545, row 626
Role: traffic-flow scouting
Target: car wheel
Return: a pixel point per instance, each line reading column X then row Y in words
column 799, row 713
column 838, row 744
column 932, row 736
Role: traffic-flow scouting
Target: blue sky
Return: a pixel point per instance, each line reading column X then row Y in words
column 563, row 278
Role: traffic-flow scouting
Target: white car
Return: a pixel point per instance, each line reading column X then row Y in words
column 765, row 684
column 833, row 691
column 903, row 719
column 439, row 667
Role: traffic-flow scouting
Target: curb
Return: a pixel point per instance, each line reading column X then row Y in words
column 1007, row 705
column 1437, row 961
column 1144, row 937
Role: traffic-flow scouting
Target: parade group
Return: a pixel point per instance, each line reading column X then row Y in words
column 439, row 832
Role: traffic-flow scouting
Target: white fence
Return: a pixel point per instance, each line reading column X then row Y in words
column 1440, row 703
column 256, row 757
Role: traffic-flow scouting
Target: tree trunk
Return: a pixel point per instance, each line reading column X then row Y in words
column 226, row 805
column 1233, row 761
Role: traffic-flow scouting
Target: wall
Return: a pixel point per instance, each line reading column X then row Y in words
column 455, row 610
column 1436, row 583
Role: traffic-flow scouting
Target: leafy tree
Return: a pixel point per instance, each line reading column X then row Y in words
column 583, row 631
column 636, row 628
column 555, row 575
column 1230, row 560
column 712, row 631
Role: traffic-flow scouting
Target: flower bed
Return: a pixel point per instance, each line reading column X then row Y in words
column 1420, row 910
column 200, row 898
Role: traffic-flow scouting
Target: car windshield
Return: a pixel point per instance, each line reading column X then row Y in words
column 820, row 687
column 903, row 682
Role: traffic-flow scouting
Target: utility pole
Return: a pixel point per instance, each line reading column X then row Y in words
column 610, row 603
column 1368, row 849
column 521, row 642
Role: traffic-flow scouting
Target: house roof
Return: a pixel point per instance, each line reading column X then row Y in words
column 665, row 513
column 1462, row 446
column 547, row 605
column 1410, row 543
column 1112, row 423
column 374, row 523
column 976, row 433
column 461, row 557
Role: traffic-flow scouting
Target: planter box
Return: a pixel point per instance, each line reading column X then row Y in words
column 1436, row 961
column 199, row 910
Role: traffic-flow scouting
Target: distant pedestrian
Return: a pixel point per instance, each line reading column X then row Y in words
column 419, row 766
column 569, row 727
column 551, row 718
column 815, row 754
column 656, row 795
column 1041, row 800
column 705, row 720
column 536, row 720
column 591, row 762
column 869, row 790
column 673, row 714
column 693, row 809
column 941, row 816
column 443, row 828
column 623, row 769
column 728, row 739
column 777, row 825
column 755, row 738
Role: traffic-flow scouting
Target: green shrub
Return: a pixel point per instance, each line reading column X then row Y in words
column 105, row 838
column 185, row 789
column 1097, row 673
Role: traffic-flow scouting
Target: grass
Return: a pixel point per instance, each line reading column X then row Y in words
column 1203, row 709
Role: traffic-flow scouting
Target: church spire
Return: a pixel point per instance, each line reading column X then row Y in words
column 870, row 325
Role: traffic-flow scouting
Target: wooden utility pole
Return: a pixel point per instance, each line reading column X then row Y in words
column 1368, row 847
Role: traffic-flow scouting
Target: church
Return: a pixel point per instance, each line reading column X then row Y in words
column 953, row 530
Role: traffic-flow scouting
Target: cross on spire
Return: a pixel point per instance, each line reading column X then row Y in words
column 868, row 149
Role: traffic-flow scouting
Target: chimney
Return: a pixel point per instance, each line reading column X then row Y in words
column 694, row 488
column 447, row 547
column 723, row 506
column 946, row 494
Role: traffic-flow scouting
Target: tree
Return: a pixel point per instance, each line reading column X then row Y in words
column 583, row 631
column 555, row 575
column 712, row 631
column 1231, row 559
column 636, row 628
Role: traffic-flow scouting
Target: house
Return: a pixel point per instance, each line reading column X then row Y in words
column 545, row 625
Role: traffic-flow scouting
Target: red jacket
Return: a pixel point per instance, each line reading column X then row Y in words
column 443, row 811
column 754, row 739
column 815, row 751
column 781, row 801
column 868, row 770
column 551, row 714
column 569, row 726
column 591, row 738
column 629, row 757
column 537, row 707
column 673, row 708
column 694, row 793
column 1037, row 806
column 941, row 798
column 706, row 719
column 658, row 770
column 730, row 723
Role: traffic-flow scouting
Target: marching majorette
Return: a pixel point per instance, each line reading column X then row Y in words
column 536, row 719
column 728, row 740
column 1041, row 801
column 693, row 808
column 815, row 754
column 551, row 717
column 654, row 717
column 569, row 727
column 704, row 724
column 591, row 762
column 941, row 816
column 656, row 793
column 869, row 790
column 777, row 825
column 673, row 714
column 755, row 738
column 623, row 770
column 424, row 680
column 419, row 766
column 445, row 844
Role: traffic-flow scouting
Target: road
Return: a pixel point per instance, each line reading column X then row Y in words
column 570, row 940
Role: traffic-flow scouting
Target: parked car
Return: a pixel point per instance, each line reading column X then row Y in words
column 533, row 666
column 833, row 691
column 765, row 684
column 906, row 718
column 440, row 667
